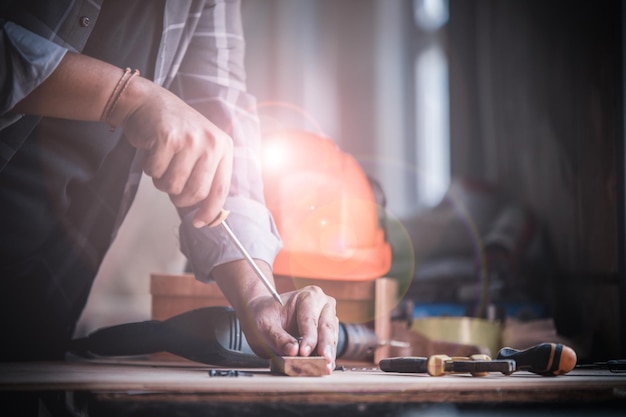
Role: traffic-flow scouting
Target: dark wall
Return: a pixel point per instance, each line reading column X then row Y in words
column 536, row 108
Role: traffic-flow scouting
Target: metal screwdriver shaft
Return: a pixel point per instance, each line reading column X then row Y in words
column 251, row 262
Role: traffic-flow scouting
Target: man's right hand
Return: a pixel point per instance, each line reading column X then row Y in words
column 188, row 157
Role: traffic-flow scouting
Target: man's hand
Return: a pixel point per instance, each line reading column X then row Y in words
column 272, row 329
column 308, row 314
column 188, row 157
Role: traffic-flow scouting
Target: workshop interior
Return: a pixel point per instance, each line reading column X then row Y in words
column 469, row 156
column 479, row 146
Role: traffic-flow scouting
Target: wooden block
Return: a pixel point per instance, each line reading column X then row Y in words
column 341, row 290
column 164, row 307
column 299, row 365
column 386, row 290
column 175, row 293
column 186, row 285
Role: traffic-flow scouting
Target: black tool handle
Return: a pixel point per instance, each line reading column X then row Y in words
column 480, row 367
column 409, row 364
column 128, row 339
column 548, row 359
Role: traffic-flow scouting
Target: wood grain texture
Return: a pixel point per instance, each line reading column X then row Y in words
column 193, row 383
column 176, row 293
column 299, row 366
column 386, row 290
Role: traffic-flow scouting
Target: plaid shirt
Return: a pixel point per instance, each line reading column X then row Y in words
column 201, row 59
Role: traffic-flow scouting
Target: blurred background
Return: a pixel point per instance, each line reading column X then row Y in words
column 494, row 129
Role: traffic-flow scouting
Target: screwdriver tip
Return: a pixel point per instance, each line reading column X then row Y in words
column 277, row 298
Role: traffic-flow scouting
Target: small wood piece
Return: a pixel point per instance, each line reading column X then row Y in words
column 299, row 365
column 385, row 300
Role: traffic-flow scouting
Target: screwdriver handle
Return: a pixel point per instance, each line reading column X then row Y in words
column 480, row 357
column 410, row 364
column 433, row 365
column 436, row 365
column 547, row 359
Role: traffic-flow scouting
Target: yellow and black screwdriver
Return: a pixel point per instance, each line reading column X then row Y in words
column 548, row 359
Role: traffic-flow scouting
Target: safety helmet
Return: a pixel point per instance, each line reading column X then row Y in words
column 324, row 208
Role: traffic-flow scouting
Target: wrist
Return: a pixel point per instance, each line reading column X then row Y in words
column 240, row 284
column 130, row 91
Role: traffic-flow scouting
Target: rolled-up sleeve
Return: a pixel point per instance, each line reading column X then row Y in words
column 211, row 78
column 207, row 247
column 27, row 60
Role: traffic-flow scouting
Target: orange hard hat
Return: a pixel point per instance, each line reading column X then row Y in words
column 324, row 208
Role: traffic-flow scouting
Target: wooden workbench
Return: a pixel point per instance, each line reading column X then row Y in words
column 158, row 388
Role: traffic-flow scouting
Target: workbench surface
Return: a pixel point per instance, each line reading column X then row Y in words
column 145, row 382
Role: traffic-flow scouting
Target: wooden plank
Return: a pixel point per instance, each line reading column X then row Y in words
column 165, row 307
column 385, row 300
column 341, row 290
column 299, row 365
column 186, row 285
column 175, row 293
column 191, row 383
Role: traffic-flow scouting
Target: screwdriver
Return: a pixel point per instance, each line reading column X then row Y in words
column 221, row 220
column 438, row 365
column 547, row 359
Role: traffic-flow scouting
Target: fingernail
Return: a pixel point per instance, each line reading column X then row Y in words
column 306, row 350
column 198, row 223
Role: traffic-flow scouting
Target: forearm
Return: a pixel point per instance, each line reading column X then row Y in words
column 240, row 284
column 78, row 89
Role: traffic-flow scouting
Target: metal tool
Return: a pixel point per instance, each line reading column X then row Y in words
column 221, row 220
column 438, row 365
column 546, row 359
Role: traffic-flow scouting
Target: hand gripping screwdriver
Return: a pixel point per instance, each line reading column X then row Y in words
column 547, row 359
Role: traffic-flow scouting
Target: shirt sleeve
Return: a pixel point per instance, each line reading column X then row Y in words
column 211, row 78
column 28, row 59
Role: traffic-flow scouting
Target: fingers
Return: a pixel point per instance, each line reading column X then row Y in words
column 317, row 324
column 158, row 158
column 213, row 203
column 174, row 173
column 308, row 313
column 198, row 172
column 188, row 156
column 328, row 330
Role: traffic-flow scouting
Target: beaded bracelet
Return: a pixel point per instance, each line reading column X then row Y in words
column 117, row 93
